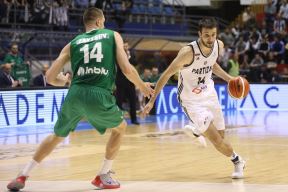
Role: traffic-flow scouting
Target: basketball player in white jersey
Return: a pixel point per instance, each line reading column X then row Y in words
column 196, row 93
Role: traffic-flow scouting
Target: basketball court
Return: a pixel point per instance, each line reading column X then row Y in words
column 156, row 156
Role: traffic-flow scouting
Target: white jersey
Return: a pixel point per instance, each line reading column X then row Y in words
column 195, row 80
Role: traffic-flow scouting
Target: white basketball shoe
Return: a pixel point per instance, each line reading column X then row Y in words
column 190, row 131
column 239, row 166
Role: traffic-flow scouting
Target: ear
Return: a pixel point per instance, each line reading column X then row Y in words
column 98, row 22
column 199, row 33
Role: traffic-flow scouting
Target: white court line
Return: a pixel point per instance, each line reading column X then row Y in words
column 149, row 186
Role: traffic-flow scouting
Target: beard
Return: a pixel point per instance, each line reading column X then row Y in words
column 208, row 45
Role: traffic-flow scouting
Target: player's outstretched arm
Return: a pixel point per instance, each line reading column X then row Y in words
column 184, row 57
column 128, row 70
column 54, row 75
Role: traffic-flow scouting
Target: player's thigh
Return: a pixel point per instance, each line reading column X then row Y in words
column 218, row 117
column 103, row 112
column 68, row 118
column 199, row 116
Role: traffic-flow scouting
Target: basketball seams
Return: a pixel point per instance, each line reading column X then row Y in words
column 229, row 83
column 243, row 87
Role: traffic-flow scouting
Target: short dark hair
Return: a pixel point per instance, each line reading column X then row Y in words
column 91, row 14
column 207, row 22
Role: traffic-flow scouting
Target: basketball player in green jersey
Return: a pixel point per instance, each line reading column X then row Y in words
column 93, row 56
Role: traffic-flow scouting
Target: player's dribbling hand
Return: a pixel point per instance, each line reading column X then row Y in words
column 147, row 89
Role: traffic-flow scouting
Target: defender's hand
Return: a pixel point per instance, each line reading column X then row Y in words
column 63, row 78
column 148, row 107
column 147, row 89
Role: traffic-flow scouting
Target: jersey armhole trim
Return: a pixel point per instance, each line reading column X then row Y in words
column 218, row 50
column 187, row 65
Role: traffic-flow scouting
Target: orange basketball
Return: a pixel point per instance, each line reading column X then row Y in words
column 238, row 88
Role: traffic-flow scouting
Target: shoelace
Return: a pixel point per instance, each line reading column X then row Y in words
column 107, row 177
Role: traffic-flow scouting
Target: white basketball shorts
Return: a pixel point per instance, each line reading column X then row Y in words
column 203, row 111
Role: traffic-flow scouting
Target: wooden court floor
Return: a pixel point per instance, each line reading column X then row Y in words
column 158, row 156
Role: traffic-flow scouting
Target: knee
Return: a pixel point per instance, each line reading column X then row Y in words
column 217, row 141
column 56, row 139
column 120, row 130
column 222, row 133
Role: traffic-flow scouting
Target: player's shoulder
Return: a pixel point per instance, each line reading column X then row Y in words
column 77, row 37
column 187, row 49
column 220, row 43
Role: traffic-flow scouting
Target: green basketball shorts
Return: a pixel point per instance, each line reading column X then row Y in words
column 95, row 104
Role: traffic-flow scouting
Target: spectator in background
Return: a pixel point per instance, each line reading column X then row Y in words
column 59, row 15
column 244, row 66
column 64, row 14
column 40, row 80
column 263, row 75
column 257, row 70
column 271, row 61
column 13, row 56
column 279, row 26
column 81, row 3
column 125, row 90
column 264, row 47
column 241, row 47
column 235, row 30
column 6, row 79
column 227, row 37
column 122, row 14
column 41, row 10
column 257, row 61
column 3, row 11
column 160, row 61
column 108, row 3
column 253, row 48
column 270, row 12
column 154, row 75
column 224, row 58
column 255, row 34
column 278, row 49
column 99, row 4
column 146, row 75
column 20, row 6
column 283, row 11
column 233, row 65
column 274, row 77
column 248, row 17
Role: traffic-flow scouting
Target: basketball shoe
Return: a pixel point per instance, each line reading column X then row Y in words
column 105, row 181
column 239, row 166
column 189, row 130
column 18, row 183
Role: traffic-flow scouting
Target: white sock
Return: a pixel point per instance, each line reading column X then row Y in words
column 234, row 155
column 106, row 166
column 29, row 167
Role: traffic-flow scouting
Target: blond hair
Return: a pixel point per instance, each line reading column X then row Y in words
column 92, row 14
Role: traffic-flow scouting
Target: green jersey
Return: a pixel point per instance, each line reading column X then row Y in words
column 93, row 59
column 15, row 59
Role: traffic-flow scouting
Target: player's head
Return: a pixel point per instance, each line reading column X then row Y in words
column 94, row 17
column 14, row 48
column 208, row 31
column 45, row 68
column 126, row 45
column 7, row 67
